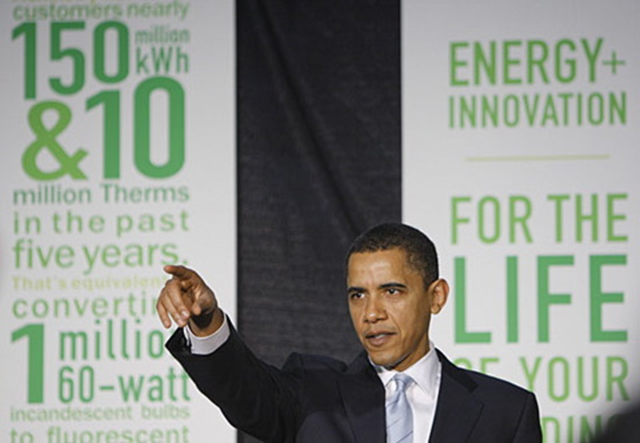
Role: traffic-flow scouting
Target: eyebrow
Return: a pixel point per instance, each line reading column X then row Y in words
column 382, row 286
column 393, row 285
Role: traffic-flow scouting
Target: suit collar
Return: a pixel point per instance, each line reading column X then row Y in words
column 458, row 410
column 362, row 394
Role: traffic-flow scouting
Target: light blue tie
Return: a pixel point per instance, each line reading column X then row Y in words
column 399, row 415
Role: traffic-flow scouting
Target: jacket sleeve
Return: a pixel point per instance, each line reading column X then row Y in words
column 256, row 398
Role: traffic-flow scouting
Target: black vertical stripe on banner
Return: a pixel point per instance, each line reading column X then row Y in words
column 319, row 158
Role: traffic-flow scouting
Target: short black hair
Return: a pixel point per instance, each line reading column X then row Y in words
column 420, row 250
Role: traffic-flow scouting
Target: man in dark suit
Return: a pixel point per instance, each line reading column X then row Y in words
column 400, row 384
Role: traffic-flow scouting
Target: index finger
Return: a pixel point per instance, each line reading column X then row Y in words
column 180, row 272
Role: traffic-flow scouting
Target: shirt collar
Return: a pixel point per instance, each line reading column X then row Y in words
column 425, row 372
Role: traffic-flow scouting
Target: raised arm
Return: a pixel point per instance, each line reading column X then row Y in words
column 254, row 396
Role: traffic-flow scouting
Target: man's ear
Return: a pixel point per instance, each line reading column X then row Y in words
column 439, row 290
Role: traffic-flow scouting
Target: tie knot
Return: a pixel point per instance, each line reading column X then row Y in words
column 402, row 381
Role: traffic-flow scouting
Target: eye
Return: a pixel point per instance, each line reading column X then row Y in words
column 393, row 291
column 356, row 295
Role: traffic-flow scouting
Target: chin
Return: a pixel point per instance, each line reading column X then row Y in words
column 379, row 360
column 387, row 362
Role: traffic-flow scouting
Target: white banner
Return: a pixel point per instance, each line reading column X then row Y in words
column 117, row 123
column 520, row 161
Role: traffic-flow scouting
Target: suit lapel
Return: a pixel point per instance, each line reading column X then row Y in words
column 363, row 398
column 362, row 395
column 458, row 410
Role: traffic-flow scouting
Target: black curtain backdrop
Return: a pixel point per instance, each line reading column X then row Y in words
column 319, row 159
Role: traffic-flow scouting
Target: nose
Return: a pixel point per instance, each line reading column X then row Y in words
column 374, row 310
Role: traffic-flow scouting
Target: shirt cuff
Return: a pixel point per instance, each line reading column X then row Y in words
column 210, row 343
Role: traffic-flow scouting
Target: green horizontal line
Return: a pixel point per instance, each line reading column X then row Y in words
column 539, row 158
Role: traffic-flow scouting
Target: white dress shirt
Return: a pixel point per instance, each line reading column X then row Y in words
column 208, row 344
column 422, row 394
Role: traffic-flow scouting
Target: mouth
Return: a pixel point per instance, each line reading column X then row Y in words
column 378, row 338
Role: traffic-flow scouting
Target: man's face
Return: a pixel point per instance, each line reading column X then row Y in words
column 391, row 308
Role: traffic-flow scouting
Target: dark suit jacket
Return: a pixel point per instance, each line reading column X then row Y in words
column 319, row 399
